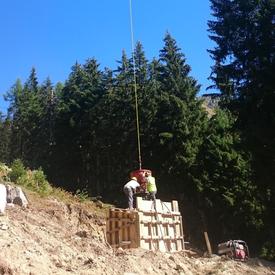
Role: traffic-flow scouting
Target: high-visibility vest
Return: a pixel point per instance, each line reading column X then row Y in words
column 151, row 184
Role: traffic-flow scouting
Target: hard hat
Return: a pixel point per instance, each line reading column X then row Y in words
column 134, row 178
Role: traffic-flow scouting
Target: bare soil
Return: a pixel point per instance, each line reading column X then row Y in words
column 53, row 237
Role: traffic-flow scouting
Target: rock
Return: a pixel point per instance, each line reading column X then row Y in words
column 120, row 251
column 172, row 258
column 4, row 226
column 99, row 204
column 82, row 234
column 3, row 198
column 179, row 267
column 5, row 269
column 89, row 261
column 16, row 195
column 149, row 270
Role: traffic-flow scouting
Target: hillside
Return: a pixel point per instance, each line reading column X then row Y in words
column 51, row 236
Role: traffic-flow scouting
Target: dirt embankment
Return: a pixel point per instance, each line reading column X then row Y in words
column 52, row 237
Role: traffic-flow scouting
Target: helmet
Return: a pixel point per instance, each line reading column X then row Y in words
column 134, row 178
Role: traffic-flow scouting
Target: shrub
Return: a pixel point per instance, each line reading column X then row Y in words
column 4, row 172
column 40, row 181
column 268, row 251
column 36, row 181
column 17, row 170
column 82, row 195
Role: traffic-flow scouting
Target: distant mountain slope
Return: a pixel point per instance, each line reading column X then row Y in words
column 210, row 103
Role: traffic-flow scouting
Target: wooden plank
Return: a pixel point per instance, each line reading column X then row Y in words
column 107, row 229
column 125, row 243
column 139, row 203
column 160, row 238
column 110, row 228
column 116, row 232
column 137, row 227
column 125, row 219
column 209, row 249
column 120, row 226
column 182, row 234
column 175, row 206
column 164, row 214
column 161, row 222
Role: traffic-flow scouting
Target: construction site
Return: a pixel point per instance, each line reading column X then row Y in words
column 156, row 162
column 62, row 235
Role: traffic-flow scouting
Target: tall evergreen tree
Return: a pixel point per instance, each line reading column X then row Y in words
column 5, row 126
column 30, row 118
column 24, row 111
column 45, row 140
column 74, row 128
column 244, row 68
column 225, row 186
column 180, row 118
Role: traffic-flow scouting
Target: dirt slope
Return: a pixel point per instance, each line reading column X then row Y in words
column 51, row 237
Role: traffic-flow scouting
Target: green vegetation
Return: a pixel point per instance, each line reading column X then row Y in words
column 17, row 170
column 82, row 195
column 83, row 132
column 32, row 180
column 244, row 73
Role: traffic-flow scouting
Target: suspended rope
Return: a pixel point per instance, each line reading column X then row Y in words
column 135, row 84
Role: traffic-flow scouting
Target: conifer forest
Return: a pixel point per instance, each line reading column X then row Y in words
column 221, row 168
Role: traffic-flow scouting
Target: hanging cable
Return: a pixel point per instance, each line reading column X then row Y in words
column 135, row 84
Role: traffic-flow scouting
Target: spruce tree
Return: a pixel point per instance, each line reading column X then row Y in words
column 225, row 186
column 180, row 118
column 74, row 126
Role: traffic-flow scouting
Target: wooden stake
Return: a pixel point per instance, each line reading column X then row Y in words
column 208, row 243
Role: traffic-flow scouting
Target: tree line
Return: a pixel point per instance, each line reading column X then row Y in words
column 83, row 132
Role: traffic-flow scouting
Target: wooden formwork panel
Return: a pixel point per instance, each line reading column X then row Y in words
column 122, row 229
column 153, row 226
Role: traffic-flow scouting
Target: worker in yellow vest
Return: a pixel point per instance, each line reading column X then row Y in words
column 151, row 186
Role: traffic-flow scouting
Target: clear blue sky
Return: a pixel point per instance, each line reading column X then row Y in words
column 52, row 35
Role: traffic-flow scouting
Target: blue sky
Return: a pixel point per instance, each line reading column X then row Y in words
column 51, row 35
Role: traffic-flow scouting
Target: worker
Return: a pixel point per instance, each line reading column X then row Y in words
column 130, row 189
column 151, row 186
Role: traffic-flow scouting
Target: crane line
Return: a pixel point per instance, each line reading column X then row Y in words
column 135, row 83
